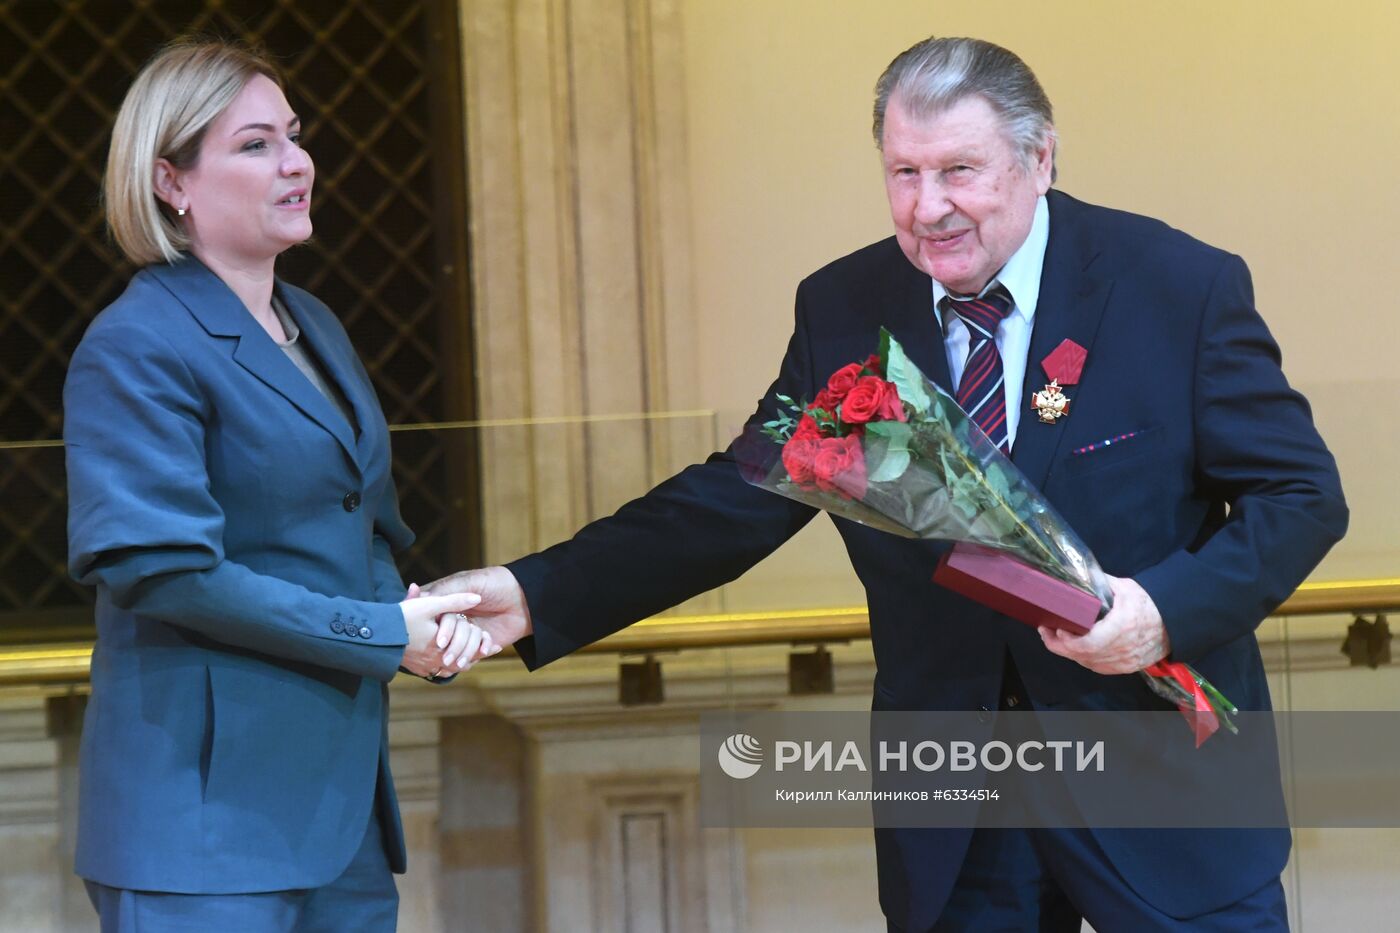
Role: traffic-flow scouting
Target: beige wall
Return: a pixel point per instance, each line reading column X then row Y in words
column 1266, row 128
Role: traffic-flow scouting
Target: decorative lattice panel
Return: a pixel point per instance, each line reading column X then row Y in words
column 362, row 74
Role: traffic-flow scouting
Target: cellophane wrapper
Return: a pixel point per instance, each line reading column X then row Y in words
column 924, row 469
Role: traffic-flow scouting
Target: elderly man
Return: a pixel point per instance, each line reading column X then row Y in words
column 1218, row 500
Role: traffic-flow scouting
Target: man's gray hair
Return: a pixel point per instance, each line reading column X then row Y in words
column 938, row 73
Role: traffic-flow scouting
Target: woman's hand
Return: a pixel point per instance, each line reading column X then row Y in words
column 464, row 642
column 424, row 655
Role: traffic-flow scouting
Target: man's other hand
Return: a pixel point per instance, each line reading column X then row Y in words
column 1128, row 639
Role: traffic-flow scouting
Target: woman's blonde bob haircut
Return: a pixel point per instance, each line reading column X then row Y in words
column 166, row 112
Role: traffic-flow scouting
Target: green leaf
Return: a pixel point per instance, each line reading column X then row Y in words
column 904, row 374
column 950, row 473
column 874, row 448
column 996, row 479
column 823, row 418
column 968, row 510
column 897, row 432
column 993, row 525
column 892, row 466
column 891, row 439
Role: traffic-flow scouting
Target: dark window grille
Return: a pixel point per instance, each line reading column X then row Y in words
column 377, row 85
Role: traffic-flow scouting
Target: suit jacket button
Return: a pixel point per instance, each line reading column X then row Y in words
column 366, row 632
column 337, row 626
column 351, row 501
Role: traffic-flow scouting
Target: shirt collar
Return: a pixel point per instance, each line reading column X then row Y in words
column 289, row 324
column 1021, row 274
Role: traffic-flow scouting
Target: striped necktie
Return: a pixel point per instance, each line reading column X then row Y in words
column 981, row 391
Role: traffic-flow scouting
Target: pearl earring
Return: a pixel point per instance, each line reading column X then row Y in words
column 180, row 211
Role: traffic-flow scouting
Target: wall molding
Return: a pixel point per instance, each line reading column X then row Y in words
column 580, row 255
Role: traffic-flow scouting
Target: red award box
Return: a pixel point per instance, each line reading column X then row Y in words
column 1001, row 582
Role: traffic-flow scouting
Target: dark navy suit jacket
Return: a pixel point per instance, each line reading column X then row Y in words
column 239, row 534
column 1219, row 507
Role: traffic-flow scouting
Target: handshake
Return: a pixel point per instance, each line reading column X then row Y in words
column 443, row 640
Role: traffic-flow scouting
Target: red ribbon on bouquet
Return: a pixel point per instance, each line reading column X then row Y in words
column 1201, row 718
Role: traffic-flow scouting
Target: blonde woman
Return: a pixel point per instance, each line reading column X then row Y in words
column 231, row 501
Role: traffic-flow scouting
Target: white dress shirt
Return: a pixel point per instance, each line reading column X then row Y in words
column 1021, row 277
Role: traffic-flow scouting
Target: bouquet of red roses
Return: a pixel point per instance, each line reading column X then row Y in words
column 883, row 446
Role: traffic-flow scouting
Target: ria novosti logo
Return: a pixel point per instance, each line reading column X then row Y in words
column 740, row 756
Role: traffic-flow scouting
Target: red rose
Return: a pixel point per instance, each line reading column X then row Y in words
column 872, row 363
column 825, row 401
column 842, row 381
column 891, row 408
column 799, row 454
column 852, row 480
column 863, row 402
column 807, row 428
column 839, row 467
